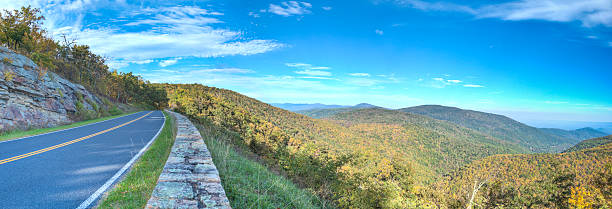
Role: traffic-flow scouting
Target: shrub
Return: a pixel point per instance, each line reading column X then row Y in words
column 8, row 75
column 7, row 61
column 115, row 111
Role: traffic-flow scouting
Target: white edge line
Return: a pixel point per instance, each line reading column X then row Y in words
column 112, row 180
column 25, row 137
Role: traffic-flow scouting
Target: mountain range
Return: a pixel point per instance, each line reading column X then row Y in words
column 498, row 126
column 535, row 139
column 426, row 156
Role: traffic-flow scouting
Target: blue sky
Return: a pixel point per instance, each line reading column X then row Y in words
column 528, row 59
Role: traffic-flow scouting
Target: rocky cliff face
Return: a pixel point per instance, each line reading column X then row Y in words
column 28, row 100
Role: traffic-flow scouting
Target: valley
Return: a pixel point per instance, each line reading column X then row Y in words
column 415, row 159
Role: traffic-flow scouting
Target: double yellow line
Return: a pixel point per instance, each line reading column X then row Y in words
column 7, row 160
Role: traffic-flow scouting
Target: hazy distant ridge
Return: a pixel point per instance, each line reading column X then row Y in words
column 537, row 140
column 299, row 107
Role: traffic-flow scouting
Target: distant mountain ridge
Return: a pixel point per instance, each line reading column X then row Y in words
column 300, row 107
column 590, row 143
column 537, row 140
column 581, row 133
column 498, row 126
column 323, row 113
column 293, row 107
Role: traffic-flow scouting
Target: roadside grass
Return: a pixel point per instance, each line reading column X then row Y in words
column 8, row 135
column 247, row 183
column 136, row 187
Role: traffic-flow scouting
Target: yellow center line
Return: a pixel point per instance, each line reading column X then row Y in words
column 68, row 142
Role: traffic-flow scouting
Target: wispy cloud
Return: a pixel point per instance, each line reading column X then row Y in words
column 379, row 32
column 440, row 82
column 290, row 8
column 434, row 6
column 308, row 69
column 166, row 63
column 254, row 14
column 177, row 15
column 360, row 74
column 313, row 72
column 589, row 12
column 364, row 80
column 144, row 34
column 141, row 62
column 473, row 86
column 320, row 68
column 318, row 77
column 326, row 8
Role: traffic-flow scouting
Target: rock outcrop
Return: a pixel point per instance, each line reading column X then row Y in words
column 28, row 100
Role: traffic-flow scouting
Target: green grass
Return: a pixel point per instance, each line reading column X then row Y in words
column 249, row 184
column 135, row 189
column 23, row 133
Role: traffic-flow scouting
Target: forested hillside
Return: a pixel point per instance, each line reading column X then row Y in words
column 326, row 157
column 579, row 179
column 435, row 146
column 502, row 127
column 590, row 143
column 365, row 158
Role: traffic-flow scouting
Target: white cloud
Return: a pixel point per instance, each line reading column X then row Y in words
column 141, row 62
column 298, row 65
column 313, row 72
column 308, row 69
column 318, row 77
column 473, row 86
column 442, row 82
column 289, row 8
column 360, row 74
column 592, row 37
column 436, row 6
column 326, row 8
column 253, row 14
column 188, row 15
column 379, row 32
column 135, row 34
column 166, row 63
column 589, row 12
column 320, row 68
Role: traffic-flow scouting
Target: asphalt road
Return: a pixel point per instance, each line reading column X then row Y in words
column 64, row 169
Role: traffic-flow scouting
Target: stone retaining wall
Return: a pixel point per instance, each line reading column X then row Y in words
column 190, row 178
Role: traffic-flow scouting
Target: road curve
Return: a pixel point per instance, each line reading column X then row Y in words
column 70, row 168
